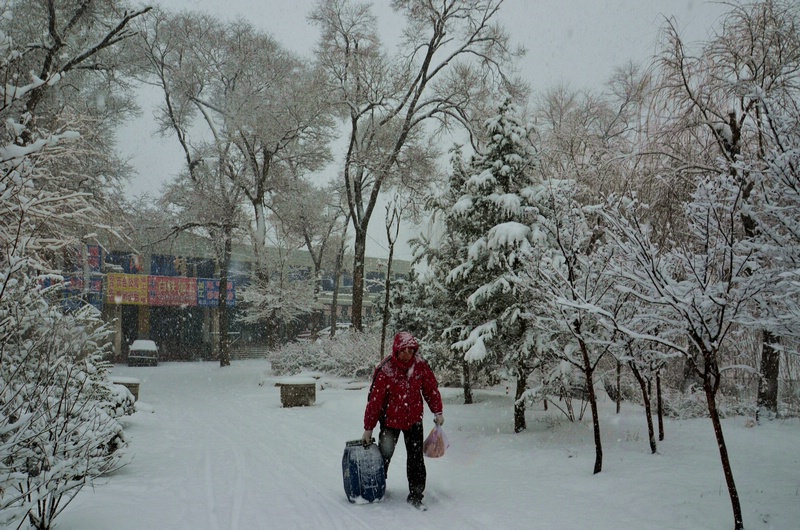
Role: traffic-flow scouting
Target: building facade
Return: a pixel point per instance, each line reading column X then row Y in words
column 169, row 292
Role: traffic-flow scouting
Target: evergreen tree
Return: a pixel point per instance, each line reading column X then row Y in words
column 496, row 221
column 429, row 305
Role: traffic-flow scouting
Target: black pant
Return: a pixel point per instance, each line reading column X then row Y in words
column 415, row 462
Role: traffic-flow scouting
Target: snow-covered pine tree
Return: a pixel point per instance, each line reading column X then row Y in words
column 497, row 219
column 428, row 304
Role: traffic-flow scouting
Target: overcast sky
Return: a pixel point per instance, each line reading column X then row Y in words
column 572, row 42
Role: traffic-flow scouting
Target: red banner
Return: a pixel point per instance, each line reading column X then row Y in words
column 94, row 257
column 172, row 291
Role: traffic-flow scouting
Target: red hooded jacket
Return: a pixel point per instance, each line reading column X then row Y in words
column 397, row 390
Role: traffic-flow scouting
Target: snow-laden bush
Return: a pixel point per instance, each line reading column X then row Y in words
column 348, row 354
column 119, row 401
column 564, row 387
column 57, row 405
column 692, row 404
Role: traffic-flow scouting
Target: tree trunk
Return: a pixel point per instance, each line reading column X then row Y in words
column 337, row 274
column 647, row 410
column 768, row 382
column 588, row 372
column 689, row 375
column 387, row 289
column 317, row 315
column 260, row 237
column 467, row 383
column 358, row 279
column 723, row 453
column 392, row 221
column 660, row 407
column 619, row 386
column 222, row 304
column 519, row 402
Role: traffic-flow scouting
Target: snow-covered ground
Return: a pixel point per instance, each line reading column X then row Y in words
column 210, row 448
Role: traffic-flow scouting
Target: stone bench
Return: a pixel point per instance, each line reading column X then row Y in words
column 131, row 383
column 298, row 391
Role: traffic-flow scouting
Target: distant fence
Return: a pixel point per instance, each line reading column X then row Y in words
column 249, row 351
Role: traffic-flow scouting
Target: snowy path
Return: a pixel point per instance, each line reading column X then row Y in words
column 218, row 452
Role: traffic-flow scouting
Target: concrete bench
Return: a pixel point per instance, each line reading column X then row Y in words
column 131, row 383
column 298, row 391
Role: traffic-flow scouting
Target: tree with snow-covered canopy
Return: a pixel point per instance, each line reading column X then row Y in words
column 562, row 278
column 776, row 209
column 721, row 102
column 695, row 294
column 248, row 109
column 253, row 96
column 427, row 304
column 58, row 430
column 453, row 57
column 289, row 294
column 497, row 216
column 58, row 409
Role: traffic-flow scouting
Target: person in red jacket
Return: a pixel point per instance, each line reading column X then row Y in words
column 399, row 384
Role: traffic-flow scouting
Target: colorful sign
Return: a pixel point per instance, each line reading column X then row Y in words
column 172, row 291
column 94, row 257
column 139, row 289
column 74, row 284
column 127, row 289
column 208, row 292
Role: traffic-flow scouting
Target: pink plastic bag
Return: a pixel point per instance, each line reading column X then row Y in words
column 435, row 444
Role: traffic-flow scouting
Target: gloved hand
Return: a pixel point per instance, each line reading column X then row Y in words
column 439, row 419
column 366, row 438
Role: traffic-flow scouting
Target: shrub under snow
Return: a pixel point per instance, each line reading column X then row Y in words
column 57, row 406
column 348, row 354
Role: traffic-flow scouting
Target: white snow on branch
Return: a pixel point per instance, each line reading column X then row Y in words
column 476, row 249
column 473, row 346
column 483, row 179
column 508, row 203
column 476, row 352
column 15, row 152
column 12, row 93
column 463, row 205
column 510, row 234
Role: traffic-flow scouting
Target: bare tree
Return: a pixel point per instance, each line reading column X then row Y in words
column 316, row 215
column 394, row 215
column 451, row 59
column 261, row 117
